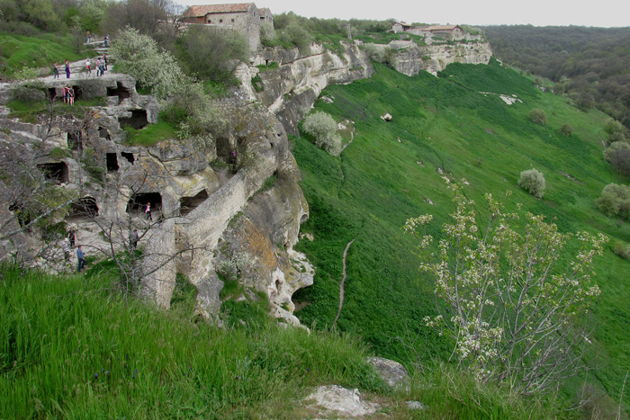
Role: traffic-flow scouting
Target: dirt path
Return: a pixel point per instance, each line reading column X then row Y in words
column 342, row 283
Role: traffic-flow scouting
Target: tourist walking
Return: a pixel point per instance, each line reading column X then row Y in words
column 134, row 237
column 55, row 71
column 72, row 236
column 105, row 60
column 88, row 66
column 98, row 67
column 106, row 41
column 70, row 96
column 67, row 67
column 80, row 259
column 147, row 211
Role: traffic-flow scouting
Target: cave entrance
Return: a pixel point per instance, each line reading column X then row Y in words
column 188, row 204
column 104, row 133
column 128, row 156
column 56, row 172
column 138, row 202
column 112, row 162
column 83, row 207
column 75, row 140
column 120, row 91
column 224, row 148
column 78, row 92
column 137, row 120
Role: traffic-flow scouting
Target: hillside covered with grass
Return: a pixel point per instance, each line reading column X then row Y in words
column 454, row 124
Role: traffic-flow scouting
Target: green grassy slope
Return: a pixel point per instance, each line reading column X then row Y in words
column 19, row 51
column 458, row 123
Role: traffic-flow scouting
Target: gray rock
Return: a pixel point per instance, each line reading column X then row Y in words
column 415, row 405
column 334, row 400
column 393, row 373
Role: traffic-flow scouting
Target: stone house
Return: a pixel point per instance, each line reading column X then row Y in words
column 430, row 32
column 245, row 18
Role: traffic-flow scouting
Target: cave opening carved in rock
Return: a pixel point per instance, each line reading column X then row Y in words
column 188, row 204
column 84, row 207
column 56, row 172
column 138, row 119
column 138, row 203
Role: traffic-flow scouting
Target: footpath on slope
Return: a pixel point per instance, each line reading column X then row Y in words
column 342, row 283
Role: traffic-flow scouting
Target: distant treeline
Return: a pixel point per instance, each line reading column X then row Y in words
column 591, row 65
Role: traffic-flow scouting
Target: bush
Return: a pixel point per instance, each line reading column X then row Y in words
column 618, row 155
column 153, row 68
column 193, row 112
column 615, row 131
column 211, row 53
column 566, row 130
column 621, row 249
column 323, row 128
column 533, row 181
column 615, row 201
column 538, row 116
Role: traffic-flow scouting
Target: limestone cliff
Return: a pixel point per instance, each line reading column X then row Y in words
column 409, row 58
column 288, row 82
column 205, row 209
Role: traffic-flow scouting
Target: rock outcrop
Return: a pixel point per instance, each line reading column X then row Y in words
column 336, row 401
column 289, row 82
column 202, row 214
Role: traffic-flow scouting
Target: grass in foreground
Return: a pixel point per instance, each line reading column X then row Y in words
column 71, row 347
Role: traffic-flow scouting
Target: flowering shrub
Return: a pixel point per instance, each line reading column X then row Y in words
column 139, row 55
column 514, row 299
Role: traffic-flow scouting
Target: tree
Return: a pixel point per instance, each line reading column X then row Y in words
column 145, row 16
column 515, row 292
column 212, row 53
column 139, row 55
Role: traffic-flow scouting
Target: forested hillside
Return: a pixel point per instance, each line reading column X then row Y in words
column 591, row 64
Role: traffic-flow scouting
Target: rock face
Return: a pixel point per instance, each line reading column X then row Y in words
column 203, row 216
column 334, row 400
column 410, row 58
column 290, row 89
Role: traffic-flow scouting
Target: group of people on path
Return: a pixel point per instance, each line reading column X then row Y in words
column 100, row 66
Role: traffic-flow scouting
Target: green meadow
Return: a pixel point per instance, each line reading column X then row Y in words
column 458, row 125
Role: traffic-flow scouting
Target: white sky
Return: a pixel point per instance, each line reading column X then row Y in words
column 604, row 13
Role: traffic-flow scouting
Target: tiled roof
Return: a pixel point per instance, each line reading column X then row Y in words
column 202, row 10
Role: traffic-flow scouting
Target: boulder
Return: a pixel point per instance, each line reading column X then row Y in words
column 393, row 373
column 335, row 401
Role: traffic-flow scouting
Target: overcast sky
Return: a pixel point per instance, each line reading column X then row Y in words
column 605, row 13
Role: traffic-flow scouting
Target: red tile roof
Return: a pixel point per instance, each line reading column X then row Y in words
column 202, row 10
